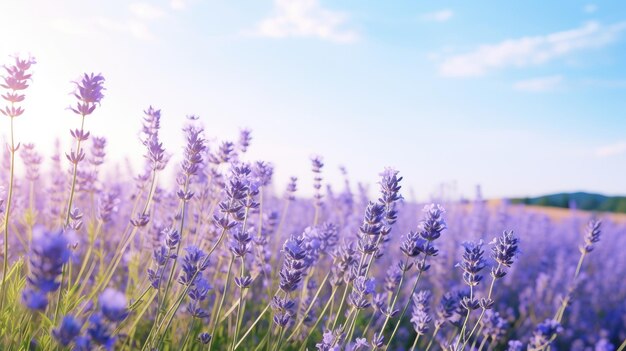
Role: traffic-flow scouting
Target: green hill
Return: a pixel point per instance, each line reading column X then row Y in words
column 583, row 201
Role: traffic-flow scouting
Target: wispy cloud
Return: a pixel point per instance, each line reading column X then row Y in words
column 137, row 29
column 590, row 8
column 615, row 149
column 539, row 84
column 178, row 4
column 135, row 25
column 528, row 51
column 604, row 83
column 438, row 16
column 102, row 26
column 305, row 18
column 146, row 11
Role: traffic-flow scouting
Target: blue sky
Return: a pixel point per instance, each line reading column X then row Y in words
column 523, row 98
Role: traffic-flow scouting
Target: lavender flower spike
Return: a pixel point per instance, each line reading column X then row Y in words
column 89, row 93
column 113, row 305
column 67, row 331
column 49, row 252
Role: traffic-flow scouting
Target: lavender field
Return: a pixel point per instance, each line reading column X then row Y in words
column 218, row 257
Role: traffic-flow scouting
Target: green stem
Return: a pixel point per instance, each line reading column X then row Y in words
column 7, row 211
column 219, row 308
column 317, row 293
column 406, row 306
column 255, row 323
column 482, row 344
column 193, row 321
column 343, row 299
column 417, row 337
column 561, row 311
column 432, row 338
column 319, row 318
column 482, row 312
column 74, row 173
column 395, row 298
column 240, row 306
column 183, row 205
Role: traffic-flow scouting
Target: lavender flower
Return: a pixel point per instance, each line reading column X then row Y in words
column 331, row 340
column 592, row 236
column 494, row 326
column 15, row 81
column 362, row 287
column 316, row 166
column 49, row 252
column 197, row 294
column 389, row 188
column 204, row 338
column 97, row 150
column 193, row 151
column 32, row 161
column 88, row 93
column 420, row 317
column 371, row 228
column 113, row 305
column 473, row 262
column 225, row 154
column 446, row 309
column 294, row 265
column 193, row 264
column 67, row 331
column 434, row 224
column 155, row 153
column 544, row 334
column 244, row 139
column 99, row 332
column 291, row 189
column 514, row 345
column 503, row 252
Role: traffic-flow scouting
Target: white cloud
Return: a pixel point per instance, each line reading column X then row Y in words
column 528, row 51
column 604, row 83
column 145, row 11
column 539, row 84
column 102, row 26
column 77, row 28
column 305, row 18
column 438, row 16
column 611, row 150
column 590, row 8
column 178, row 4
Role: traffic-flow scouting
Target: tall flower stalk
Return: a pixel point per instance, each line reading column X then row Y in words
column 15, row 81
column 89, row 94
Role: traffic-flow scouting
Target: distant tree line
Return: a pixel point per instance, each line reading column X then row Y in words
column 580, row 200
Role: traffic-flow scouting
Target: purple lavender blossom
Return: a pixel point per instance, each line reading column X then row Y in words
column 316, row 166
column 49, row 252
column 294, row 265
column 420, row 317
column 204, row 338
column 67, row 331
column 113, row 305
column 592, row 236
column 291, row 189
column 244, row 139
column 362, row 288
column 193, row 151
column 32, row 160
column 503, row 252
column 544, row 334
column 88, row 93
column 193, row 264
column 15, row 80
